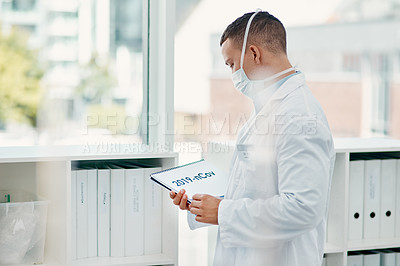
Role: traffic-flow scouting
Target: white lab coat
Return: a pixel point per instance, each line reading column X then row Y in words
column 275, row 208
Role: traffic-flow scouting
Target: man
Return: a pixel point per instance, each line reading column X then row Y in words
column 275, row 208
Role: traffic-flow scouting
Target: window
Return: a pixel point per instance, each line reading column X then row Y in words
column 80, row 72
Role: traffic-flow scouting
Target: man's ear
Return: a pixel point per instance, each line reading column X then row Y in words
column 255, row 53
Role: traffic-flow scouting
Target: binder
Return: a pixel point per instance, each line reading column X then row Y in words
column 356, row 200
column 355, row 260
column 388, row 198
column 82, row 215
column 117, row 212
column 372, row 199
column 73, row 214
column 388, row 258
column 134, row 212
column 92, row 213
column 397, row 258
column 152, row 214
column 324, row 261
column 397, row 214
column 372, row 259
column 103, row 213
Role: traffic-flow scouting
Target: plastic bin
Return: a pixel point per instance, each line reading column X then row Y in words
column 23, row 217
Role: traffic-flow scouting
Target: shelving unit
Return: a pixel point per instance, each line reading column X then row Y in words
column 46, row 171
column 338, row 245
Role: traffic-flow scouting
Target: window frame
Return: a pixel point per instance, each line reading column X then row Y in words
column 160, row 71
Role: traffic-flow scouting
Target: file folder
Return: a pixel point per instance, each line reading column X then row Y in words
column 388, row 258
column 134, row 212
column 355, row 260
column 103, row 213
column 92, row 213
column 372, row 259
column 82, row 215
column 397, row 258
column 117, row 212
column 152, row 214
column 388, row 198
column 73, row 214
column 396, row 252
column 372, row 199
column 324, row 261
column 397, row 214
column 356, row 200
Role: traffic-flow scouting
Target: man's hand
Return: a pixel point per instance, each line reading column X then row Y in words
column 205, row 207
column 180, row 199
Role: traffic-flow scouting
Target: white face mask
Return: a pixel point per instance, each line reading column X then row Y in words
column 240, row 80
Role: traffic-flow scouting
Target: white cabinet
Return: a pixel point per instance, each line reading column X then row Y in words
column 46, row 171
column 338, row 245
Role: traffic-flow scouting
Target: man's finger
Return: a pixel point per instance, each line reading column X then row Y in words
column 196, row 203
column 183, row 204
column 199, row 218
column 195, row 211
column 198, row 196
column 172, row 195
column 177, row 199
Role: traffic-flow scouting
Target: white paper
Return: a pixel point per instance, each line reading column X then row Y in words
column 372, row 199
column 92, row 213
column 103, row 212
column 388, row 198
column 117, row 212
column 82, row 215
column 356, row 200
column 152, row 215
column 134, row 212
column 198, row 177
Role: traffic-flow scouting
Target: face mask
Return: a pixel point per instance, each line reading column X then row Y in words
column 240, row 80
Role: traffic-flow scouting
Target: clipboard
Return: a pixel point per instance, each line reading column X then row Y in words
column 199, row 177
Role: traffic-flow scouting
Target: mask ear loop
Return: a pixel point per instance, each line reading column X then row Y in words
column 246, row 34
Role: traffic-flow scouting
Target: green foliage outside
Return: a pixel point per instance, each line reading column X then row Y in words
column 20, row 76
column 96, row 80
column 96, row 84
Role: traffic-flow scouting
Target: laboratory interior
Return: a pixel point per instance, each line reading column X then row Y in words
column 200, row 132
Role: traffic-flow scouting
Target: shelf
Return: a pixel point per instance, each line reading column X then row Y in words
column 366, row 145
column 331, row 248
column 46, row 171
column 79, row 152
column 366, row 244
column 48, row 262
column 159, row 259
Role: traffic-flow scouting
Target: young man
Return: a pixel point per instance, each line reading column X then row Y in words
column 275, row 208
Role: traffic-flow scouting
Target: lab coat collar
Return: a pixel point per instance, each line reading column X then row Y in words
column 265, row 95
column 288, row 87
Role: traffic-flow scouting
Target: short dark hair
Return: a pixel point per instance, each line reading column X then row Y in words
column 265, row 30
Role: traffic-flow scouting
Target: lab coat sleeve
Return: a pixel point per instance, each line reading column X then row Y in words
column 193, row 224
column 303, row 165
